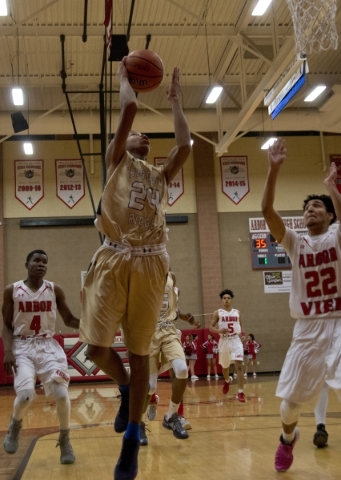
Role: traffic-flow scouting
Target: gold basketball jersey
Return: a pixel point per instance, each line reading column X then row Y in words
column 169, row 310
column 133, row 204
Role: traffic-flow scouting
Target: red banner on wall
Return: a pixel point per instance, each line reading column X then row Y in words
column 29, row 178
column 234, row 177
column 70, row 181
column 337, row 160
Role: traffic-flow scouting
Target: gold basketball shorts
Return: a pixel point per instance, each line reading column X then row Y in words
column 123, row 289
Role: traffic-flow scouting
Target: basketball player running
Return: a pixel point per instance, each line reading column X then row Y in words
column 166, row 342
column 227, row 322
column 127, row 276
column 29, row 319
column 314, row 356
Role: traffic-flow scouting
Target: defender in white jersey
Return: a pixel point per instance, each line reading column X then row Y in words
column 227, row 322
column 127, row 276
column 166, row 346
column 29, row 314
column 314, row 356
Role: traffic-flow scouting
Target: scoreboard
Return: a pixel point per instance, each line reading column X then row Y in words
column 267, row 253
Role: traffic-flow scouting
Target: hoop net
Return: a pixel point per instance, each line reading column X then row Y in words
column 314, row 24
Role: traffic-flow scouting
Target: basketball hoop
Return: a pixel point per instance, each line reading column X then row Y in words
column 314, row 24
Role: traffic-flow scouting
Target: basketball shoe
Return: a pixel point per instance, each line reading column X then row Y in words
column 185, row 423
column 152, row 408
column 284, row 456
column 11, row 442
column 320, row 436
column 241, row 397
column 127, row 467
column 174, row 423
column 66, row 451
column 143, row 435
column 226, row 386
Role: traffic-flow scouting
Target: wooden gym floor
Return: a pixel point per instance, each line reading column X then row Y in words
column 229, row 440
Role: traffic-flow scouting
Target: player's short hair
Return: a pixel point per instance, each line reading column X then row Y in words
column 226, row 292
column 30, row 255
column 326, row 200
column 252, row 336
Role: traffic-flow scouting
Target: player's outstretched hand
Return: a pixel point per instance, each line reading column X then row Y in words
column 331, row 176
column 174, row 88
column 277, row 152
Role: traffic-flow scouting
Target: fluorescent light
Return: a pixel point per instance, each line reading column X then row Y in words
column 261, row 7
column 214, row 94
column 3, row 8
column 268, row 143
column 18, row 97
column 28, row 148
column 315, row 93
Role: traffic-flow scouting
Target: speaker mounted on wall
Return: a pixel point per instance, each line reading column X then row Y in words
column 118, row 48
column 19, row 122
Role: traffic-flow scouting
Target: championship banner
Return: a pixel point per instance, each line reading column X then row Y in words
column 29, row 186
column 234, row 177
column 70, row 181
column 176, row 187
column 337, row 160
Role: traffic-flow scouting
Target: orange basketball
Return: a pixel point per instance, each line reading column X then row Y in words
column 145, row 70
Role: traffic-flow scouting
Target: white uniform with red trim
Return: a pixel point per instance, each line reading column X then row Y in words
column 35, row 350
column 314, row 356
column 230, row 346
column 34, row 313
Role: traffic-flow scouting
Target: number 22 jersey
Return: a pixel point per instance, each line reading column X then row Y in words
column 316, row 274
column 34, row 313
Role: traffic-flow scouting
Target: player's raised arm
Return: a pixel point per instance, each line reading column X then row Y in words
column 129, row 107
column 276, row 156
column 335, row 195
column 181, row 151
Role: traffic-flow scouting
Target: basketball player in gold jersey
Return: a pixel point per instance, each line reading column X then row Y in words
column 127, row 276
column 167, row 343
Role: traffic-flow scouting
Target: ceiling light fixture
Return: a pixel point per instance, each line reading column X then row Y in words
column 3, row 8
column 18, row 96
column 261, row 7
column 28, row 148
column 214, row 94
column 268, row 143
column 315, row 93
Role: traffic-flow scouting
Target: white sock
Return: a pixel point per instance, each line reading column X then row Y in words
column 288, row 437
column 173, row 407
column 321, row 407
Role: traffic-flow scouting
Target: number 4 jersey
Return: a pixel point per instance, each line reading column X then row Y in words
column 316, row 274
column 34, row 313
